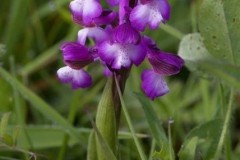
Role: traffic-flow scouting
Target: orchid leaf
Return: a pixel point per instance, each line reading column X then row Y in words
column 106, row 114
column 107, row 152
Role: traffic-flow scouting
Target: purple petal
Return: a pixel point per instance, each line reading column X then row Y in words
column 78, row 78
column 65, row 74
column 107, row 72
column 96, row 33
column 76, row 8
column 151, row 12
column 91, row 9
column 165, row 9
column 153, row 84
column 113, row 2
column 83, row 11
column 75, row 55
column 125, row 34
column 165, row 63
column 120, row 55
column 122, row 12
column 139, row 17
column 137, row 53
column 81, row 79
column 107, row 17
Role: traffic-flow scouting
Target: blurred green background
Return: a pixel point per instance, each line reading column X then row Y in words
column 31, row 32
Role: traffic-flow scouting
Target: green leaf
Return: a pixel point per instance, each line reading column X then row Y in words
column 105, row 148
column 229, row 73
column 156, row 129
column 92, row 147
column 193, row 51
column 46, row 136
column 106, row 120
column 189, row 150
column 198, row 59
column 219, row 22
column 209, row 133
column 40, row 105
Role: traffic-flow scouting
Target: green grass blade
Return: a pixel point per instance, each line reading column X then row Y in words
column 156, row 129
column 39, row 104
column 46, row 57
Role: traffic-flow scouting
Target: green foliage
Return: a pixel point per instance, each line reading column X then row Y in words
column 106, row 132
column 49, row 118
column 157, row 130
column 219, row 25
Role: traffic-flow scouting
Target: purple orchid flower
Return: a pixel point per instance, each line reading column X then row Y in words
column 164, row 64
column 150, row 12
column 77, row 78
column 153, row 84
column 118, row 43
column 76, row 55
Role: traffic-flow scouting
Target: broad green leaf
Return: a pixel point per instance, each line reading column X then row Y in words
column 219, row 22
column 39, row 104
column 156, row 129
column 189, row 150
column 209, row 134
column 229, row 73
column 198, row 59
column 193, row 51
column 106, row 120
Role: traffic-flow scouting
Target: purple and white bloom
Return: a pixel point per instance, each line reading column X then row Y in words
column 76, row 55
column 153, row 84
column 118, row 55
column 77, row 78
column 150, row 12
column 85, row 10
column 118, row 43
column 126, row 34
column 164, row 64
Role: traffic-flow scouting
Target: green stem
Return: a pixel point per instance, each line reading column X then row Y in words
column 130, row 125
column 171, row 153
column 153, row 145
column 172, row 31
column 225, row 125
